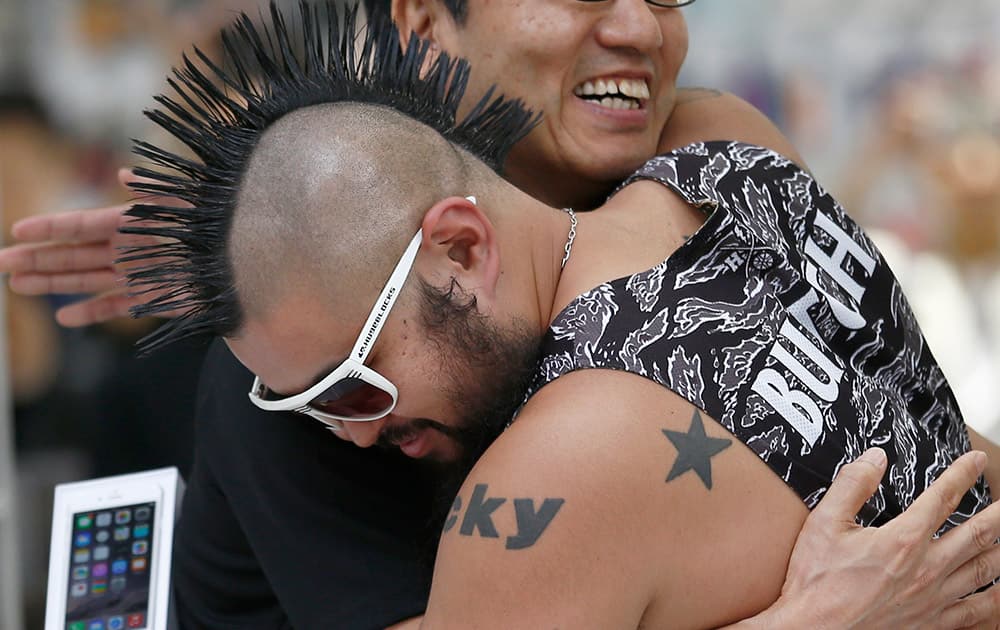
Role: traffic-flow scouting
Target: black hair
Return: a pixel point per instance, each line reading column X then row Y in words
column 220, row 115
column 459, row 9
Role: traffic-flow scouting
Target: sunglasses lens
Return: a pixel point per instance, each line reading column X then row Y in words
column 352, row 398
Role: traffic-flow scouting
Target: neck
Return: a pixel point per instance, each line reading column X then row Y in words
column 557, row 188
column 533, row 238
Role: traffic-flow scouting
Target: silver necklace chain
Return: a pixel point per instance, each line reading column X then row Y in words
column 569, row 248
column 571, row 237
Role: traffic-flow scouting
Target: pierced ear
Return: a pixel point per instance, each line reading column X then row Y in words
column 463, row 241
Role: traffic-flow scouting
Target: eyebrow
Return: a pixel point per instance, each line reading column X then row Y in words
column 333, row 365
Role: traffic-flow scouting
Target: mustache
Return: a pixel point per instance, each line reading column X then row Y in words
column 392, row 436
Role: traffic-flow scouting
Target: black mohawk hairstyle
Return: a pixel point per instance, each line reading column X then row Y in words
column 220, row 114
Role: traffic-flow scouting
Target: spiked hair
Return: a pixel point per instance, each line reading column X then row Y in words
column 220, row 116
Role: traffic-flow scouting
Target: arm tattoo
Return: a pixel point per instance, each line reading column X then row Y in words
column 695, row 451
column 531, row 523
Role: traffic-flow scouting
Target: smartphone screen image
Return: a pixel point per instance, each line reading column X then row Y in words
column 110, row 563
column 109, row 555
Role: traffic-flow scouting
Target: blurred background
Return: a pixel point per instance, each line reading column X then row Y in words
column 895, row 106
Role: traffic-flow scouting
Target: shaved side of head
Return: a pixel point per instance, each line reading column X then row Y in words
column 330, row 198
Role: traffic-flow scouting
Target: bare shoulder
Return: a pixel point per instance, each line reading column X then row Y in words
column 702, row 114
column 610, row 503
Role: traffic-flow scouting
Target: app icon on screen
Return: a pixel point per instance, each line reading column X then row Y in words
column 103, row 519
column 116, row 623
column 81, row 555
column 98, row 586
column 138, row 565
column 121, row 533
column 101, row 552
column 142, row 513
column 96, row 624
column 77, row 625
column 82, row 539
column 79, row 589
column 102, row 536
column 141, row 531
column 83, row 521
column 118, row 584
column 100, row 569
column 119, row 567
column 140, row 547
column 123, row 516
column 136, row 620
column 81, row 573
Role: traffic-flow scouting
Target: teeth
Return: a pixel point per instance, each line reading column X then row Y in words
column 633, row 88
column 618, row 103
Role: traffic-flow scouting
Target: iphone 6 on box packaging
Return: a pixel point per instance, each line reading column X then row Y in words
column 109, row 560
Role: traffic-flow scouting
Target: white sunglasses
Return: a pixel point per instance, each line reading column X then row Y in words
column 352, row 392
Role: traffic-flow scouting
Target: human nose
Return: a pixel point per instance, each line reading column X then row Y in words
column 630, row 24
column 363, row 434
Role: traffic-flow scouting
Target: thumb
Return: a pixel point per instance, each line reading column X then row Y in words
column 855, row 483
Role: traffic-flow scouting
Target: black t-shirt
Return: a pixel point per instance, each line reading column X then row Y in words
column 284, row 525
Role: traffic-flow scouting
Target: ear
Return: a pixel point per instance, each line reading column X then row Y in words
column 463, row 245
column 420, row 18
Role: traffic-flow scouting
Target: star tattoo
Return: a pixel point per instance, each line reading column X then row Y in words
column 695, row 450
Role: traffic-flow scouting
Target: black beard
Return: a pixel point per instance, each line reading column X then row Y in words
column 490, row 370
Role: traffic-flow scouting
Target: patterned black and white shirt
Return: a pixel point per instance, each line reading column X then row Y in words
column 780, row 319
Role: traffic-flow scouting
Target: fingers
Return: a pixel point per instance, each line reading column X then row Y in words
column 938, row 501
column 56, row 258
column 125, row 176
column 971, row 548
column 973, row 575
column 855, row 483
column 111, row 305
column 981, row 610
column 73, row 226
column 65, row 283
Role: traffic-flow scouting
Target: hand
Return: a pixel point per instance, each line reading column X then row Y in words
column 74, row 252
column 842, row 575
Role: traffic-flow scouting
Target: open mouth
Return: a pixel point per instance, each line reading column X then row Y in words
column 614, row 93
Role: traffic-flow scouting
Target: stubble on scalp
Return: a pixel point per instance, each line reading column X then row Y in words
column 329, row 199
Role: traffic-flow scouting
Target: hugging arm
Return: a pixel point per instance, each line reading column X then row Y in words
column 842, row 575
column 550, row 530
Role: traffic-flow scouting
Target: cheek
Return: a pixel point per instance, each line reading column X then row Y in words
column 529, row 62
column 675, row 46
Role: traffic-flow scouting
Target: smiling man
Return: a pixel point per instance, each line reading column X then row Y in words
column 717, row 339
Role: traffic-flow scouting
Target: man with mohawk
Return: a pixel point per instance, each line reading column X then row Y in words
column 688, row 365
column 272, row 178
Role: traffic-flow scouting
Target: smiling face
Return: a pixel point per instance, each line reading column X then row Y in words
column 603, row 74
